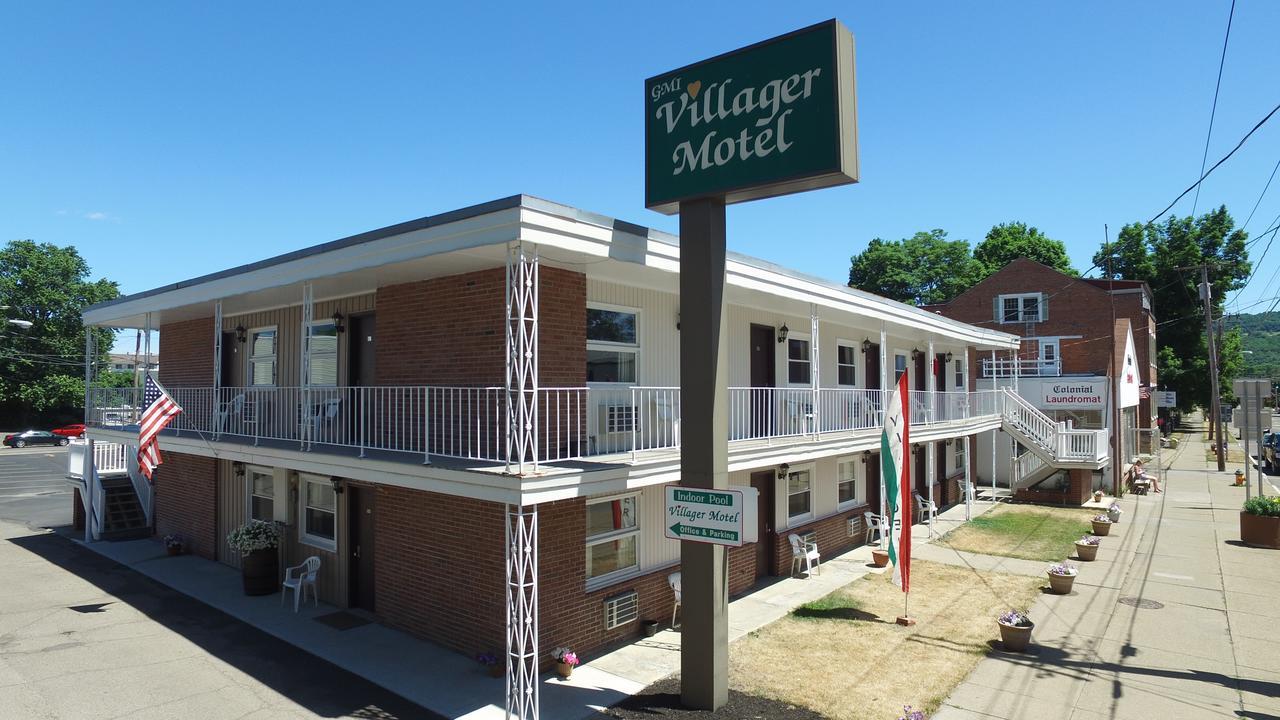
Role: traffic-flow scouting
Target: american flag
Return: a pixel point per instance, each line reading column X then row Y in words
column 161, row 410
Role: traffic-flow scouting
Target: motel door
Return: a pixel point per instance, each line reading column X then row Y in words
column 360, row 522
column 764, row 483
column 762, row 378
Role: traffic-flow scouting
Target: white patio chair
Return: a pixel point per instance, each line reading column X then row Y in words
column 922, row 505
column 233, row 408
column 299, row 578
column 968, row 493
column 674, row 581
column 320, row 414
column 874, row 523
column 806, row 553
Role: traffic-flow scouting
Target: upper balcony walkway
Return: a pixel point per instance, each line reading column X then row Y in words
column 1002, row 368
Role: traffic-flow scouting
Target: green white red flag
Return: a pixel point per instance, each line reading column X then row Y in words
column 896, row 470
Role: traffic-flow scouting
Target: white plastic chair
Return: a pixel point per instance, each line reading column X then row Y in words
column 674, row 581
column 226, row 411
column 968, row 493
column 806, row 553
column 921, row 505
column 874, row 523
column 299, row 578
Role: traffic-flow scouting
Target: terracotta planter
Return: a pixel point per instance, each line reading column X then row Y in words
column 1061, row 584
column 1114, row 515
column 1015, row 638
column 1260, row 530
column 1101, row 528
column 1087, row 553
column 260, row 572
column 1097, row 496
column 880, row 558
column 563, row 669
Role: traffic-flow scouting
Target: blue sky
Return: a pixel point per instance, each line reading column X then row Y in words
column 166, row 140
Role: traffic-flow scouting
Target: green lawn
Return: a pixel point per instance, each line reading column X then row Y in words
column 1029, row 532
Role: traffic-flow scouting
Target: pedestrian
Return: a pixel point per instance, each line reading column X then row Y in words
column 1137, row 472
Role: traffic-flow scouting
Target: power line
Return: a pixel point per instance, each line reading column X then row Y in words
column 1213, row 113
column 1206, row 174
column 1264, row 193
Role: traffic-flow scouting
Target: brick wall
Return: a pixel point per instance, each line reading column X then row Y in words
column 186, row 353
column 562, row 328
column 1079, row 488
column 186, row 501
column 832, row 536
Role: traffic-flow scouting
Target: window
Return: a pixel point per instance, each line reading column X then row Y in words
column 612, row 345
column 846, row 364
column 899, row 366
column 613, row 532
column 799, row 495
column 319, row 525
column 262, row 357
column 323, row 368
column 798, row 361
column 1027, row 307
column 262, row 491
column 959, row 454
column 960, row 373
column 847, row 482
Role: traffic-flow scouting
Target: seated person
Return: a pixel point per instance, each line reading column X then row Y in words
column 1138, row 474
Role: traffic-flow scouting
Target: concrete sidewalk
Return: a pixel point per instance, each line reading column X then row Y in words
column 1176, row 619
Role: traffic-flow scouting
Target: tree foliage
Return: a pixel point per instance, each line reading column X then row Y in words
column 42, row 367
column 1167, row 256
column 923, row 269
column 1009, row 241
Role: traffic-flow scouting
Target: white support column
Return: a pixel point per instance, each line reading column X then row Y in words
column 522, row 612
column 217, row 347
column 884, row 400
column 522, row 359
column 146, row 371
column 304, row 417
column 931, row 462
column 90, row 354
column 815, row 371
column 932, row 383
column 968, row 478
column 995, row 390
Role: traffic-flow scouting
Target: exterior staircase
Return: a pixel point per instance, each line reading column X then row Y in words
column 1057, row 446
column 123, row 516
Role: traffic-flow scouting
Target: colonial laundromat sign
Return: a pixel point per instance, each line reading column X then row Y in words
column 773, row 118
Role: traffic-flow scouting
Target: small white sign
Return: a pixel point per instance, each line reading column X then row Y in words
column 1165, row 398
column 720, row 517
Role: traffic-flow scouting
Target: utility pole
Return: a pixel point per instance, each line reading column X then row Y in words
column 1215, row 399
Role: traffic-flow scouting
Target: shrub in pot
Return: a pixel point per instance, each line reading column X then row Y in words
column 174, row 544
column 1061, row 577
column 1015, row 630
column 1101, row 524
column 566, row 660
column 1087, row 547
column 256, row 541
column 1113, row 512
column 1260, row 522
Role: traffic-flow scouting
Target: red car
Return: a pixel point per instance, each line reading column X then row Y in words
column 73, row 430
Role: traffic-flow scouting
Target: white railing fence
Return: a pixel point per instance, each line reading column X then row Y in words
column 1003, row 368
column 1058, row 439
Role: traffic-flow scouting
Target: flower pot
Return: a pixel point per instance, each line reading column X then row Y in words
column 563, row 669
column 1101, row 528
column 1114, row 515
column 173, row 550
column 260, row 572
column 1086, row 552
column 1061, row 584
column 649, row 628
column 1097, row 496
column 1015, row 638
column 880, row 558
column 496, row 670
column 1260, row 530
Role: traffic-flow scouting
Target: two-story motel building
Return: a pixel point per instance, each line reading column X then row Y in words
column 433, row 404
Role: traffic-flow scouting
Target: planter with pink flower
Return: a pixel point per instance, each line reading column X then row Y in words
column 1101, row 524
column 1087, row 548
column 1061, row 577
column 566, row 660
column 1015, row 630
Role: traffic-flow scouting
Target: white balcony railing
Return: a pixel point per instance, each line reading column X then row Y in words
column 471, row 422
column 108, row 458
column 1022, row 368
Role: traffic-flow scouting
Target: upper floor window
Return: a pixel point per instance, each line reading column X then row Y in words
column 798, row 366
column 960, row 373
column 613, row 345
column 846, row 364
column 323, row 365
column 613, row 532
column 262, row 356
column 1024, row 307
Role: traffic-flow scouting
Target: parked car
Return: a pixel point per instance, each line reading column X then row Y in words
column 1270, row 441
column 34, row 437
column 73, row 430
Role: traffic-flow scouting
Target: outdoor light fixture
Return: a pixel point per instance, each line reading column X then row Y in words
column 866, row 455
column 948, row 357
column 866, row 345
column 241, row 333
column 337, row 485
column 782, row 333
column 677, row 321
column 238, row 469
column 783, row 470
column 337, row 322
column 915, row 353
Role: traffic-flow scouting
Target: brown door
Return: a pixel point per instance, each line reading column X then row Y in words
column 360, row 331
column 873, row 482
column 360, row 526
column 921, row 382
column 230, row 351
column 763, row 482
column 873, row 368
column 762, row 376
column 922, row 479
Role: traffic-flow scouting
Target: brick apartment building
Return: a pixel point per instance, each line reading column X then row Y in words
column 1087, row 346
column 427, row 405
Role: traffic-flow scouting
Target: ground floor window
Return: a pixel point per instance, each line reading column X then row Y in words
column 319, row 526
column 960, row 454
column 613, row 533
column 799, row 495
column 847, row 482
column 262, row 490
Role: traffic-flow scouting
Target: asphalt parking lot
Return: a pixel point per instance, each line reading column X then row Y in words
column 33, row 486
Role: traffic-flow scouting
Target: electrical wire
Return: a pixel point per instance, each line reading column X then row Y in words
column 1262, row 195
column 1222, row 61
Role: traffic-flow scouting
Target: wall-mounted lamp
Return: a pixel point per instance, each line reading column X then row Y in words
column 915, row 353
column 948, row 357
column 866, row 455
column 782, row 333
column 238, row 469
column 337, row 322
column 866, row 345
column 241, row 333
column 783, row 471
column 677, row 321
column 337, row 485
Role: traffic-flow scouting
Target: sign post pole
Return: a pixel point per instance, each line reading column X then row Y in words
column 704, row 451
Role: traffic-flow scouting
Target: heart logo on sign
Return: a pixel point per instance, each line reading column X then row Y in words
column 694, row 87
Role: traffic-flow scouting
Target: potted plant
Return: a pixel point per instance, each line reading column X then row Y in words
column 1260, row 522
column 566, row 660
column 1097, row 496
column 909, row 714
column 1015, row 630
column 1087, row 547
column 1061, row 577
column 173, row 544
column 489, row 661
column 1101, row 524
column 879, row 558
column 1113, row 512
column 649, row 628
column 256, row 541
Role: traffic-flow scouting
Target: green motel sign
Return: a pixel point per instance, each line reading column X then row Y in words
column 769, row 119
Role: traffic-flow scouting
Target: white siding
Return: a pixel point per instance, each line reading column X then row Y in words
column 659, row 339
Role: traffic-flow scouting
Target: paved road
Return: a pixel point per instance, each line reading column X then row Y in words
column 84, row 637
column 33, row 486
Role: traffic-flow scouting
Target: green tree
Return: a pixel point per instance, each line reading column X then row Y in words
column 1007, row 242
column 1168, row 256
column 42, row 367
column 923, row 269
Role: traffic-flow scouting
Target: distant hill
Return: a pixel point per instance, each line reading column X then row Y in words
column 1262, row 337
